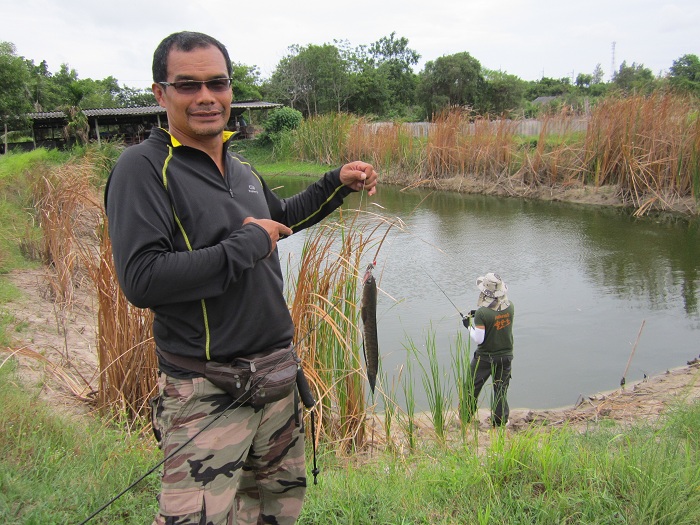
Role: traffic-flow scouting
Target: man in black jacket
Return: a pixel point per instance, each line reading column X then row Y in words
column 194, row 233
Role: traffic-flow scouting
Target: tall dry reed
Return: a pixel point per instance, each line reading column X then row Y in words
column 325, row 309
column 125, row 348
column 68, row 211
column 647, row 146
column 77, row 252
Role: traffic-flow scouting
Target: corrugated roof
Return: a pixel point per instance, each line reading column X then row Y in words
column 145, row 110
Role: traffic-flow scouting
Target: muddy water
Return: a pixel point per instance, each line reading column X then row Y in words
column 584, row 281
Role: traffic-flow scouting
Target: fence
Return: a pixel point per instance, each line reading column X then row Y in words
column 528, row 127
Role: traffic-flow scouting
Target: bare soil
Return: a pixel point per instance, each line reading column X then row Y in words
column 57, row 354
column 574, row 192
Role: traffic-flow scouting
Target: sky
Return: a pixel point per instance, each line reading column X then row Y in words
column 526, row 38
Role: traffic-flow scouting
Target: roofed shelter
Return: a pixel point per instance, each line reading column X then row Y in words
column 132, row 125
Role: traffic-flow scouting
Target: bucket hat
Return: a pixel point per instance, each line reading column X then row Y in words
column 493, row 291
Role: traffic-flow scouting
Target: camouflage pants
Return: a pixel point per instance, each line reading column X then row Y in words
column 246, row 468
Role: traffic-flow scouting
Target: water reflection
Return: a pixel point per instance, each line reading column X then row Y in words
column 582, row 278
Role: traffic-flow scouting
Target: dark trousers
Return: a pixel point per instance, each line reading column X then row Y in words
column 498, row 368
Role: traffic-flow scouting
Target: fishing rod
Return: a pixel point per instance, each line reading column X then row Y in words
column 443, row 293
column 304, row 393
column 629, row 360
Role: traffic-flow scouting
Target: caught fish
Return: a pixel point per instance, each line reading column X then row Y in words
column 368, row 312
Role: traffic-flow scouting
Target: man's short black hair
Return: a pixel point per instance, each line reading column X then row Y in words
column 183, row 41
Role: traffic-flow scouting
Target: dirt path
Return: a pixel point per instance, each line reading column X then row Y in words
column 57, row 353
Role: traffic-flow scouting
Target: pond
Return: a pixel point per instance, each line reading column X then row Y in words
column 599, row 295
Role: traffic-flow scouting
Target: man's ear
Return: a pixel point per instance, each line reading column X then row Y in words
column 159, row 93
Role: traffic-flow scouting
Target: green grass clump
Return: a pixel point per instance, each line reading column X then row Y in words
column 56, row 469
column 266, row 162
column 633, row 475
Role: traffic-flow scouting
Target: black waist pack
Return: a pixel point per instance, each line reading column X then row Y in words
column 253, row 380
column 257, row 379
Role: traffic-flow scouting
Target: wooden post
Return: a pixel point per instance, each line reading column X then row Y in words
column 97, row 131
column 5, row 139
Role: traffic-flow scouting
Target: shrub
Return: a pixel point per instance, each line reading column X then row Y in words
column 279, row 121
column 282, row 119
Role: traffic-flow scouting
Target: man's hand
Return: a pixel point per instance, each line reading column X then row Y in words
column 359, row 176
column 274, row 229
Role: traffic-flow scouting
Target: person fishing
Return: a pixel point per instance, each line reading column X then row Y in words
column 491, row 327
column 194, row 231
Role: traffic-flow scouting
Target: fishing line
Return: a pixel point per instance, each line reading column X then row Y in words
column 216, row 418
column 443, row 292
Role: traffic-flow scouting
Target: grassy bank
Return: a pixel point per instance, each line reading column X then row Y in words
column 58, row 470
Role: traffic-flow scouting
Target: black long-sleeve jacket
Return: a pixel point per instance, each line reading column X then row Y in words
column 180, row 247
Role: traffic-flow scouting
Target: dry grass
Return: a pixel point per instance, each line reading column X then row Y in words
column 325, row 311
column 77, row 252
column 647, row 148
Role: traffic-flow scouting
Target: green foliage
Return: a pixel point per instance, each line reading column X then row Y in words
column 75, row 466
column 246, row 82
column 634, row 79
column 452, row 80
column 504, row 93
column 324, row 138
column 283, row 119
column 19, row 229
column 684, row 75
column 131, row 98
column 547, row 87
column 77, row 126
column 313, row 79
column 535, row 476
column 279, row 122
column 14, row 77
column 395, row 61
column 434, row 383
column 376, row 81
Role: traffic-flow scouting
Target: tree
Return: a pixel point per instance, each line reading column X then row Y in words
column 584, row 80
column 452, row 80
column 634, row 78
column 97, row 93
column 246, row 82
column 394, row 61
column 15, row 94
column 504, row 92
column 685, row 74
column 598, row 74
column 368, row 91
column 131, row 97
column 313, row 79
column 60, row 89
column 548, row 87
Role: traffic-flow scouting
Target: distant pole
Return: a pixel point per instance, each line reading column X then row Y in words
column 612, row 63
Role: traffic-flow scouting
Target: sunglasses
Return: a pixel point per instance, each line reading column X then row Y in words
column 190, row 87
